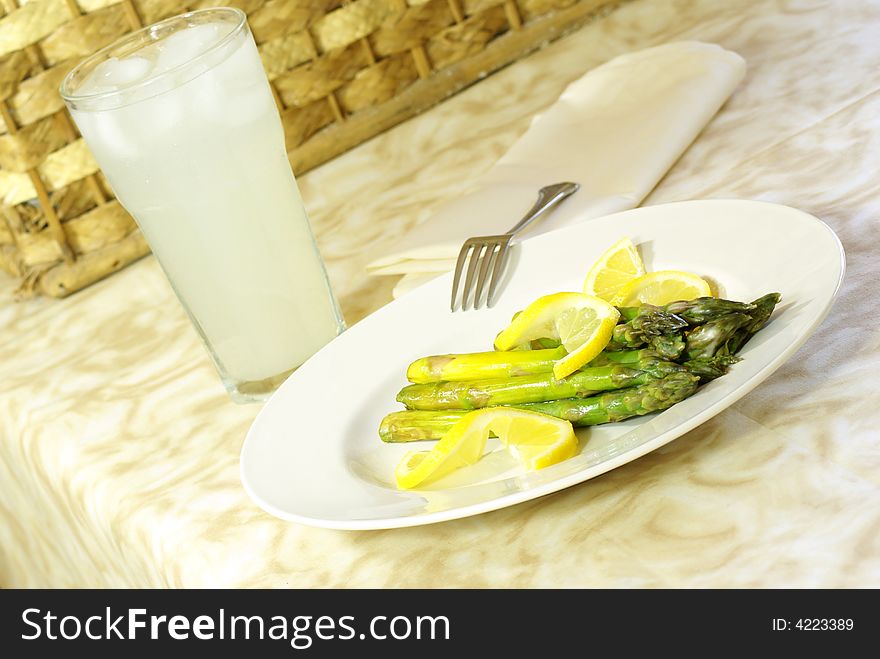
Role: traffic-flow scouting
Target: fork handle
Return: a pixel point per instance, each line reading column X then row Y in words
column 548, row 197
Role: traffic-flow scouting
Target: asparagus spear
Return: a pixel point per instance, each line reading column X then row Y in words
column 707, row 339
column 764, row 307
column 705, row 309
column 414, row 425
column 668, row 346
column 499, row 364
column 709, row 368
column 483, row 365
column 417, row 425
column 540, row 344
column 534, row 344
column 650, row 318
column 642, row 324
column 635, row 327
column 625, row 357
column 619, row 405
column 474, row 394
column 538, row 359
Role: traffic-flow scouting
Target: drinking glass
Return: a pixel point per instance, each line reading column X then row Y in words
column 181, row 119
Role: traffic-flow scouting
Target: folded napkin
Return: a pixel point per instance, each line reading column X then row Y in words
column 616, row 131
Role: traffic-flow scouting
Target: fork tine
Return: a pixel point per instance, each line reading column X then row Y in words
column 469, row 279
column 462, row 256
column 484, row 272
column 498, row 271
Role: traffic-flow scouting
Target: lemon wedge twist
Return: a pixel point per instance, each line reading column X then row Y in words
column 536, row 440
column 583, row 323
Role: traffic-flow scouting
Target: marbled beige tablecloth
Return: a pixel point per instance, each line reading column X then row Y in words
column 119, row 448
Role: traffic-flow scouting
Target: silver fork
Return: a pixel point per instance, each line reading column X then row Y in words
column 486, row 249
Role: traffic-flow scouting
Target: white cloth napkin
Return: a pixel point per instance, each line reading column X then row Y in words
column 616, row 131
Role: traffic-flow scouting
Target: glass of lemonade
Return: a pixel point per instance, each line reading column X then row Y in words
column 182, row 121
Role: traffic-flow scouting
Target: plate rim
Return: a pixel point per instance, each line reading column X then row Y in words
column 564, row 482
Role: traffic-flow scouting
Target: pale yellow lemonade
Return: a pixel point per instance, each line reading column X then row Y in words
column 200, row 163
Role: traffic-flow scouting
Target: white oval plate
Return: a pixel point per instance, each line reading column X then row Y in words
column 313, row 454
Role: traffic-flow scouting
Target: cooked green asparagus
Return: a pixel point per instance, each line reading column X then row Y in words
column 483, row 365
column 657, row 356
column 625, row 357
column 418, row 425
column 705, row 309
column 668, row 346
column 540, row 344
column 608, row 407
column 512, row 363
column 764, row 307
column 642, row 324
column 709, row 368
column 707, row 339
column 474, row 394
column 618, row 405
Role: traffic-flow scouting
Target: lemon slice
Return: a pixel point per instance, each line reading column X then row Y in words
column 536, row 440
column 583, row 323
column 618, row 266
column 661, row 288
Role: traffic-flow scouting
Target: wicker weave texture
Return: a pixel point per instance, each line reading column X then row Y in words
column 341, row 70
